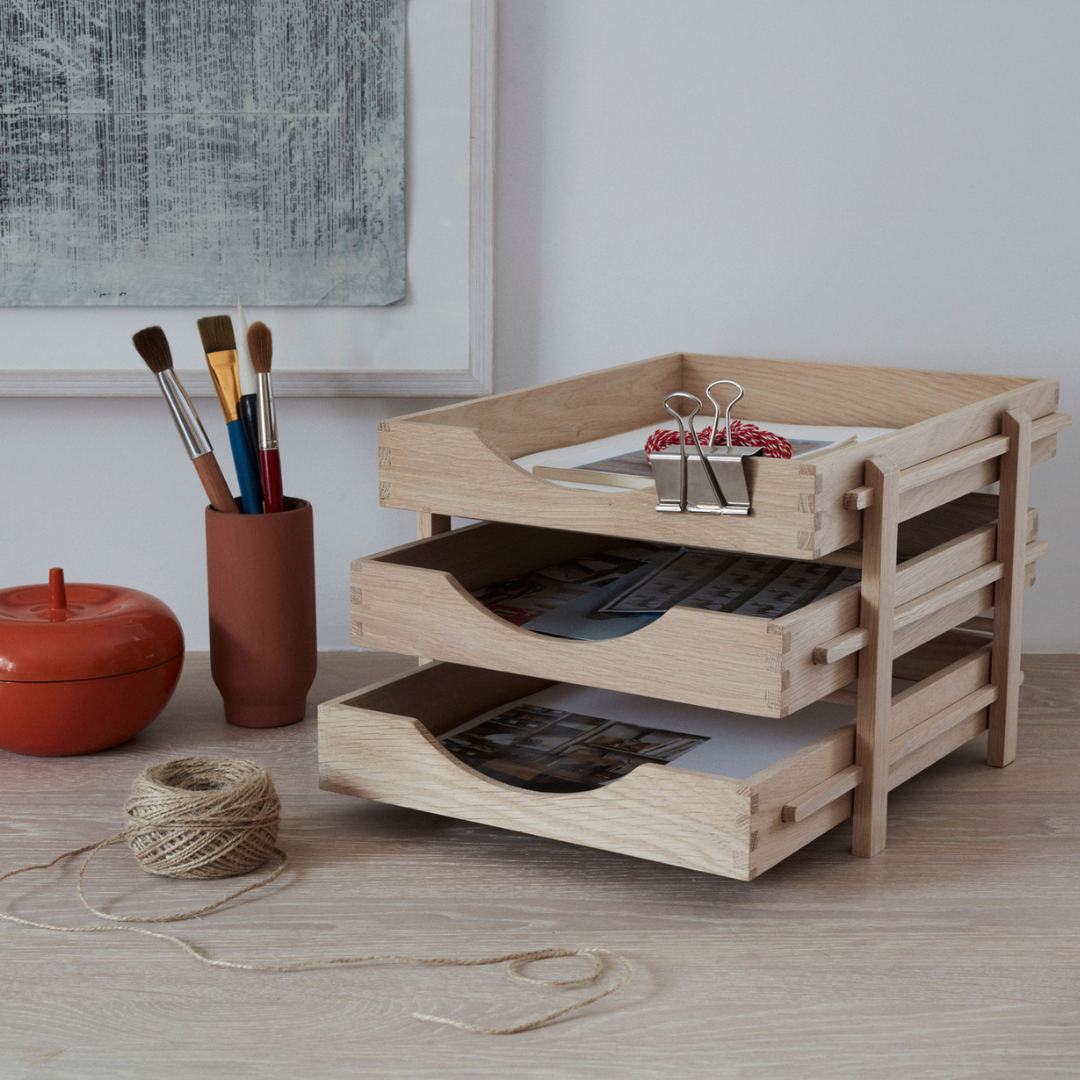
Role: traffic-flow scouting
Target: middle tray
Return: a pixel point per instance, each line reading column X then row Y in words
column 416, row 599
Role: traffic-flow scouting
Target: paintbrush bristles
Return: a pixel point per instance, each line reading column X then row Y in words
column 261, row 346
column 153, row 347
column 216, row 332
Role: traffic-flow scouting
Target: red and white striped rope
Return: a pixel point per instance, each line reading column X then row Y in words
column 743, row 434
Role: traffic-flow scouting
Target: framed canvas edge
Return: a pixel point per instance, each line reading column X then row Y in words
column 473, row 382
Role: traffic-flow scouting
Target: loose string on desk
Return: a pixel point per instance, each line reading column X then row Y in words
column 228, row 831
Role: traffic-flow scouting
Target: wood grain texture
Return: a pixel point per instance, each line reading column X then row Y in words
column 214, row 484
column 960, row 460
column 920, row 442
column 369, row 746
column 452, row 470
column 431, row 525
column 876, row 616
column 950, row 955
column 414, row 599
column 458, row 459
column 665, row 814
column 1009, row 591
column 920, row 618
column 825, row 792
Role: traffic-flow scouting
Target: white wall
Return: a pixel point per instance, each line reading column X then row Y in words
column 889, row 183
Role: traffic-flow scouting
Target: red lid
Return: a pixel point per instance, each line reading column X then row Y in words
column 56, row 633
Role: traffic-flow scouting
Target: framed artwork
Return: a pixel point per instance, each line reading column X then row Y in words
column 332, row 167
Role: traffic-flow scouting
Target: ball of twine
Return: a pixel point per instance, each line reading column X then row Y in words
column 202, row 817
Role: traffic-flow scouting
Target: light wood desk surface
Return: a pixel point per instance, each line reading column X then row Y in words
column 954, row 953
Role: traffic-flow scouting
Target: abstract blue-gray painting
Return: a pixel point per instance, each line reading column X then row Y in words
column 189, row 151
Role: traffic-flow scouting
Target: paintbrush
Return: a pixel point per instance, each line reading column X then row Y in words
column 219, row 344
column 249, row 409
column 153, row 347
column 261, row 345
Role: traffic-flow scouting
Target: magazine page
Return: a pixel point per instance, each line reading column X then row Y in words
column 523, row 599
column 575, row 738
column 721, row 581
column 624, row 588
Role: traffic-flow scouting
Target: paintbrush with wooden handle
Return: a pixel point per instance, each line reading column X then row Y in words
column 153, row 347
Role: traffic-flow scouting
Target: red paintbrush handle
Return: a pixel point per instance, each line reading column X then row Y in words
column 270, row 465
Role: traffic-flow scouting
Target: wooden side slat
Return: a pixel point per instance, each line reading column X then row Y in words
column 938, row 468
column 830, row 652
column 1009, row 591
column 826, row 792
column 950, row 560
column 428, row 524
column 932, row 656
column 918, row 703
column 923, row 757
column 941, row 722
column 877, row 615
column 842, row 470
column 919, row 500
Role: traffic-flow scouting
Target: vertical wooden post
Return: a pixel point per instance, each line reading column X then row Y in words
column 1009, row 590
column 428, row 524
column 875, row 660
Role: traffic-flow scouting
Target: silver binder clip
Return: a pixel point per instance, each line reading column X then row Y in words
column 719, row 487
column 674, row 487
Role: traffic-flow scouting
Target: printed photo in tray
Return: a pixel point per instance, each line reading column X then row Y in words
column 522, row 599
column 741, row 584
column 541, row 749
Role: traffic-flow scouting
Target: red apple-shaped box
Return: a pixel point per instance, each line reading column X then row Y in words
column 83, row 667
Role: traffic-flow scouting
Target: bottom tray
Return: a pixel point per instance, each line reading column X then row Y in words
column 382, row 743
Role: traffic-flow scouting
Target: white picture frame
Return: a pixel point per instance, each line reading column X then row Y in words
column 408, row 381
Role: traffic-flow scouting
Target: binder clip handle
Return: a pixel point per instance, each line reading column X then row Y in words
column 680, row 419
column 706, row 471
column 727, row 411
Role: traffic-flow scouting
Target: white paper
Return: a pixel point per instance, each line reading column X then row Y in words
column 739, row 745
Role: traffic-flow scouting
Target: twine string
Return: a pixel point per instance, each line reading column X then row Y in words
column 233, row 821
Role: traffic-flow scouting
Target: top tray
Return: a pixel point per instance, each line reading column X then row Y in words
column 458, row 460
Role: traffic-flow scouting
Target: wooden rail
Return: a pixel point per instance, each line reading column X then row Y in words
column 914, row 610
column 938, row 468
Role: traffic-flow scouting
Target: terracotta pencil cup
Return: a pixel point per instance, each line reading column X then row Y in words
column 260, row 572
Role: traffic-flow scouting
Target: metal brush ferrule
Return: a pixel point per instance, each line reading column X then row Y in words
column 226, row 374
column 184, row 415
column 267, row 416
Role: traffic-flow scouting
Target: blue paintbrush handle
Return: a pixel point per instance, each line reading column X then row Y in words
column 246, row 473
column 249, row 417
